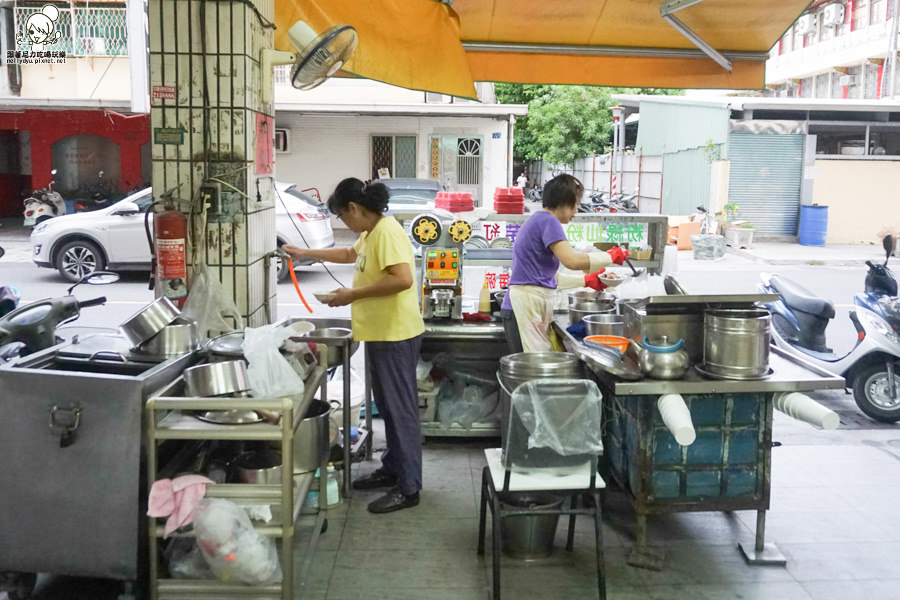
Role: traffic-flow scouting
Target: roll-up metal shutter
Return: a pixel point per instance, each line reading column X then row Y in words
column 764, row 180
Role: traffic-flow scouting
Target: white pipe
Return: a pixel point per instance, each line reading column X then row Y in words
column 803, row 408
column 677, row 417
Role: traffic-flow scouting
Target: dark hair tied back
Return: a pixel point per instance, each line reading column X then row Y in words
column 373, row 196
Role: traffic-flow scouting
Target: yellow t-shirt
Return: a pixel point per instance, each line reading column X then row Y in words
column 386, row 318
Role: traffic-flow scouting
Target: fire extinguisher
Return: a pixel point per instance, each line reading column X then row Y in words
column 169, row 242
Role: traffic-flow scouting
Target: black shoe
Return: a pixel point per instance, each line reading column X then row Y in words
column 378, row 478
column 393, row 500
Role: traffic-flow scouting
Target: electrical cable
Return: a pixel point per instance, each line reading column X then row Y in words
column 297, row 227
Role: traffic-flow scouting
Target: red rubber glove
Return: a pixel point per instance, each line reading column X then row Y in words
column 593, row 281
column 617, row 254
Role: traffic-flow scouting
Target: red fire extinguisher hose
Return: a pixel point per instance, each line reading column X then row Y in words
column 297, row 285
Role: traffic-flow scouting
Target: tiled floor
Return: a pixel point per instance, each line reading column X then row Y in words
column 833, row 515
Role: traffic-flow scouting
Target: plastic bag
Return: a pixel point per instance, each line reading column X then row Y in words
column 269, row 373
column 561, row 414
column 185, row 561
column 210, row 305
column 231, row 546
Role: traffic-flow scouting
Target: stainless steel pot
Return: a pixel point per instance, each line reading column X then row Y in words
column 258, row 467
column 736, row 342
column 148, row 321
column 604, row 324
column 216, row 379
column 586, row 295
column 181, row 336
column 579, row 310
column 333, row 338
column 311, row 441
column 516, row 369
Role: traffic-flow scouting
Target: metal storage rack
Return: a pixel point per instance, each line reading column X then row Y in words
column 165, row 421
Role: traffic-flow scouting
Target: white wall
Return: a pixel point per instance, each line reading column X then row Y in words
column 326, row 149
column 79, row 77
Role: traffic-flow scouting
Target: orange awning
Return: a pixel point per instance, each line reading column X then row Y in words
column 424, row 44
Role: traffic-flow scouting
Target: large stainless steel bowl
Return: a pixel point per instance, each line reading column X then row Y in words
column 181, row 336
column 604, row 324
column 586, row 295
column 217, row 379
column 579, row 310
column 148, row 321
column 333, row 338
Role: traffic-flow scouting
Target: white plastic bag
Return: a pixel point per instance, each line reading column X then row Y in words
column 210, row 305
column 231, row 546
column 269, row 373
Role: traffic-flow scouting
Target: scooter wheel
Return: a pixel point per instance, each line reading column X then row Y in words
column 872, row 392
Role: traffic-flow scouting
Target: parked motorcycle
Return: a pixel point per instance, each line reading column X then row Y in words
column 43, row 204
column 98, row 196
column 872, row 367
column 32, row 327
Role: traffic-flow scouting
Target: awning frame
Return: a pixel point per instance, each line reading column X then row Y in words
column 667, row 10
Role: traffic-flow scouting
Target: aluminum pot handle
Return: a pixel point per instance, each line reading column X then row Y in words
column 502, row 386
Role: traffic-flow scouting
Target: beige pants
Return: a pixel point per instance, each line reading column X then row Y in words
column 533, row 306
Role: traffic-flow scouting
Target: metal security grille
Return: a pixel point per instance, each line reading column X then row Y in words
column 468, row 161
column 405, row 156
column 382, row 154
column 764, row 180
column 86, row 31
column 397, row 153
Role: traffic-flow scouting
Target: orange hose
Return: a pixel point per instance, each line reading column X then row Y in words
column 297, row 285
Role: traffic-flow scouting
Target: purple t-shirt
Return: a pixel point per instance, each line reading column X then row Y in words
column 533, row 261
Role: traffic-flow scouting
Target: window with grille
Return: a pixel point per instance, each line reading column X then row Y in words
column 468, row 161
column 397, row 153
column 85, row 30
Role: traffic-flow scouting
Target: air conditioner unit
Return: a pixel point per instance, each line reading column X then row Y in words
column 847, row 80
column 805, row 24
column 282, row 140
column 93, row 46
column 833, row 15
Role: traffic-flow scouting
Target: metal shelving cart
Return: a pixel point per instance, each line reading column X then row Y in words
column 166, row 421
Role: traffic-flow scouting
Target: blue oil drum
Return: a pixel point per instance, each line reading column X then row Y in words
column 813, row 225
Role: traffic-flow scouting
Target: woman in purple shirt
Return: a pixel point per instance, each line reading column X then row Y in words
column 540, row 248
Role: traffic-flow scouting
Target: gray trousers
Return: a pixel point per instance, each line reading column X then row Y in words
column 393, row 374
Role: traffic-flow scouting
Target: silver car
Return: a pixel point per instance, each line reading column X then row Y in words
column 114, row 238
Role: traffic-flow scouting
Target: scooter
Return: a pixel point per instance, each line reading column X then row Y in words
column 872, row 367
column 32, row 327
column 43, row 204
column 98, row 196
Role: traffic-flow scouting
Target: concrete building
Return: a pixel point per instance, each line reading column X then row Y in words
column 838, row 50
column 771, row 156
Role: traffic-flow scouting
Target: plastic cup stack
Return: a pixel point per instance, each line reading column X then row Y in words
column 803, row 408
column 455, row 201
column 677, row 417
column 509, row 201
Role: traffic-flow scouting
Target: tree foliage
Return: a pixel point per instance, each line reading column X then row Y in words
column 564, row 122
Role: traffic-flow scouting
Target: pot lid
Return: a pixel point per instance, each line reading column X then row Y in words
column 229, row 417
column 228, row 344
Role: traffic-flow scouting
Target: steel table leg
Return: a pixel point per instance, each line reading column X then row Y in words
column 347, row 441
column 368, row 404
column 762, row 553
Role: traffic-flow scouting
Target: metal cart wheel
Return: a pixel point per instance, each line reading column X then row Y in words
column 18, row 586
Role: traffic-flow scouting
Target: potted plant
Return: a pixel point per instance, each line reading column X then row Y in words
column 738, row 234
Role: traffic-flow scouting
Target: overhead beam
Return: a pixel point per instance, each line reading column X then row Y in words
column 586, row 50
column 667, row 10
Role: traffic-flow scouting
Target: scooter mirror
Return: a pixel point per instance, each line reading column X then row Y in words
column 888, row 243
column 96, row 278
column 2, row 252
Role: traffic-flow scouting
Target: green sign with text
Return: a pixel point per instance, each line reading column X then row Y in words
column 168, row 135
column 614, row 233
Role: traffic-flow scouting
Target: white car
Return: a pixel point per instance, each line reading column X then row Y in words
column 114, row 238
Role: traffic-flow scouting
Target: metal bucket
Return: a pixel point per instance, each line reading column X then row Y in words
column 736, row 342
column 579, row 310
column 516, row 369
column 311, row 441
column 529, row 537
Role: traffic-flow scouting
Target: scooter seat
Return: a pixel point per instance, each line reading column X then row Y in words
column 799, row 298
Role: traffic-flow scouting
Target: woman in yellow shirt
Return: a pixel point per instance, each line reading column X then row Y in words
column 385, row 315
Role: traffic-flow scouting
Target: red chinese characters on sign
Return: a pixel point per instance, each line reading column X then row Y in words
column 163, row 92
column 491, row 280
column 503, row 280
column 491, row 231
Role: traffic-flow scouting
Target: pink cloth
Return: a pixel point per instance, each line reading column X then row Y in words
column 176, row 498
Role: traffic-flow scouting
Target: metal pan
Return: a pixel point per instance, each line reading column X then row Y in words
column 181, row 336
column 148, row 321
column 216, row 379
